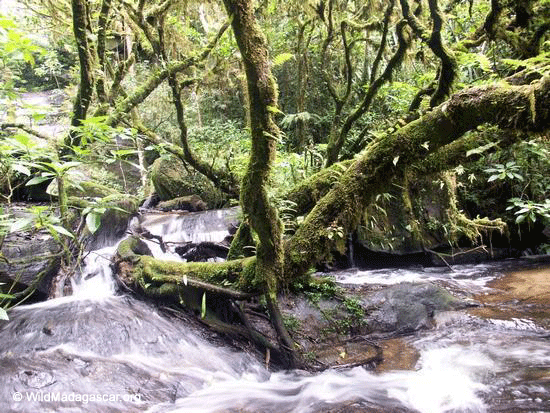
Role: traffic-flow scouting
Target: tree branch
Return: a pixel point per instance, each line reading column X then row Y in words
column 509, row 107
column 25, row 128
column 160, row 76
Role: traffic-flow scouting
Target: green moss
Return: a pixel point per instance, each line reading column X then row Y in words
column 95, row 190
column 189, row 203
column 76, row 202
column 242, row 245
column 221, row 273
column 130, row 249
column 306, row 194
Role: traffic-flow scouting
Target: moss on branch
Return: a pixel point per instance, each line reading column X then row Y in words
column 509, row 107
column 232, row 278
column 306, row 194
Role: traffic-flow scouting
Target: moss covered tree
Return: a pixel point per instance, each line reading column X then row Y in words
column 258, row 209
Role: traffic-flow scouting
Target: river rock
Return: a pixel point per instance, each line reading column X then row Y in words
column 172, row 180
column 408, row 307
column 28, row 256
column 114, row 222
column 191, row 203
column 203, row 251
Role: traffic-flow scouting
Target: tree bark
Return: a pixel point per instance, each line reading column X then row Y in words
column 257, row 207
column 83, row 99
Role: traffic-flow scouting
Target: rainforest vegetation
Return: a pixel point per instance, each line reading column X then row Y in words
column 411, row 125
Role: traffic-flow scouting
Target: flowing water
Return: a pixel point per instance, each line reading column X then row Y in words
column 96, row 351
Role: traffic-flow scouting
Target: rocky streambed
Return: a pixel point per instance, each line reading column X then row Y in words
column 473, row 338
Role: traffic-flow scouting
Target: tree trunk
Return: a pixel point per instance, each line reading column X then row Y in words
column 258, row 210
column 262, row 94
column 85, row 89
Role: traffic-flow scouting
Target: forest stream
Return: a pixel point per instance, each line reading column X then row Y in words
column 101, row 352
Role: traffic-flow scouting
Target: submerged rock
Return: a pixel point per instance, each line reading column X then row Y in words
column 408, row 307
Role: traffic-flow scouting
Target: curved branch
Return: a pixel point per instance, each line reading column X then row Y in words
column 25, row 128
column 382, row 47
column 324, row 59
column 347, row 57
column 101, row 40
column 333, row 148
column 433, row 40
column 85, row 87
column 160, row 76
column 447, row 74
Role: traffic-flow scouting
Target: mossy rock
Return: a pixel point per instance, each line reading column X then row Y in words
column 78, row 184
column 171, row 180
column 191, row 203
column 26, row 256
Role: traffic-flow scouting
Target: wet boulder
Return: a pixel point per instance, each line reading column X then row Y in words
column 408, row 307
column 29, row 259
column 172, row 180
column 203, row 251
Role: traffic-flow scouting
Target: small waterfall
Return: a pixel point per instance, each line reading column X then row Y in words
column 209, row 226
column 351, row 252
column 177, row 229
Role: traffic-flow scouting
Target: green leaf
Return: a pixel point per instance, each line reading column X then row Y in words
column 203, row 306
column 21, row 169
column 6, row 23
column 20, row 224
column 282, row 58
column 93, row 221
column 484, row 62
column 39, row 179
column 61, row 230
column 518, row 177
column 3, row 314
column 68, row 165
